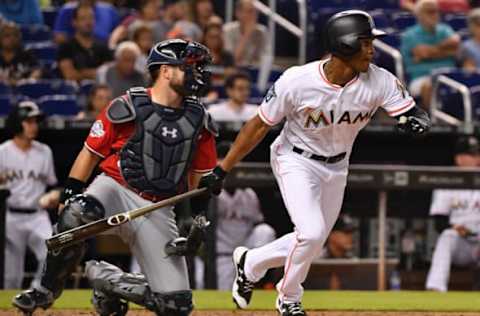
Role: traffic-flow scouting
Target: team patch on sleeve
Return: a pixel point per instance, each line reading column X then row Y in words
column 97, row 129
column 270, row 93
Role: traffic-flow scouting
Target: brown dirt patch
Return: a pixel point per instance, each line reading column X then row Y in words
column 243, row 313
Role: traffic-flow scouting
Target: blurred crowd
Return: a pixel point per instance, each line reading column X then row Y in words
column 101, row 49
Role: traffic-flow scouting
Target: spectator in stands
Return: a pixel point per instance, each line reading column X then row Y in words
column 183, row 27
column 245, row 38
column 105, row 20
column 236, row 108
column 457, row 220
column 453, row 6
column 143, row 37
column 223, row 61
column 79, row 58
column 22, row 11
column 15, row 62
column 149, row 14
column 99, row 97
column 427, row 46
column 202, row 11
column 470, row 49
column 121, row 75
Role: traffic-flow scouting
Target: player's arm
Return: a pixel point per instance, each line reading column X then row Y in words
column 250, row 135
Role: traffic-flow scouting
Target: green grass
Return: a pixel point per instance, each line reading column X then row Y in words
column 318, row 300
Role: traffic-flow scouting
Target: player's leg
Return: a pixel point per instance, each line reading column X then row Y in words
column 167, row 292
column 60, row 264
column 439, row 273
column 15, row 248
column 40, row 229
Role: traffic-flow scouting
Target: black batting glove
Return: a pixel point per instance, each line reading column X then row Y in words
column 213, row 181
column 413, row 125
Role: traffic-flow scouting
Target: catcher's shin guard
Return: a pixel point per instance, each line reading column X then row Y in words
column 116, row 285
column 59, row 265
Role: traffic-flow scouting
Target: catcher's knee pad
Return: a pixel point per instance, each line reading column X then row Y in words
column 79, row 210
column 178, row 303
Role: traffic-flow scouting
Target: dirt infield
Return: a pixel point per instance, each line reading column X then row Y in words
column 245, row 313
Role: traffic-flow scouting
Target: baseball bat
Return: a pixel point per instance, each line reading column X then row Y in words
column 80, row 233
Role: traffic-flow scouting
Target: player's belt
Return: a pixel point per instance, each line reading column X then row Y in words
column 22, row 210
column 331, row 159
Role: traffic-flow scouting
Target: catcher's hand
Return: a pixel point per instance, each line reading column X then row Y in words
column 182, row 246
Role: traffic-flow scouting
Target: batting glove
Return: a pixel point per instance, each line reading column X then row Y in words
column 213, row 181
column 413, row 124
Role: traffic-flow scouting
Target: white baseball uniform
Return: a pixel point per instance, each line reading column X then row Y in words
column 27, row 174
column 321, row 119
column 223, row 112
column 239, row 222
column 463, row 208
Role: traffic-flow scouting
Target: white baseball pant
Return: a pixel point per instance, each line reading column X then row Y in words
column 22, row 231
column 313, row 193
column 450, row 248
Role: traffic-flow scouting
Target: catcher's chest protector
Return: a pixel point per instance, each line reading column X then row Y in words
column 156, row 158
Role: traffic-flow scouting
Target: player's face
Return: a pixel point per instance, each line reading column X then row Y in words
column 364, row 57
column 240, row 92
column 30, row 128
column 466, row 160
column 177, row 79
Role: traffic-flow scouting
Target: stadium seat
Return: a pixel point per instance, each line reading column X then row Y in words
column 38, row 88
column 456, row 21
column 450, row 100
column 402, row 20
column 59, row 105
column 4, row 89
column 49, row 16
column 5, row 104
column 46, row 52
column 384, row 4
column 382, row 20
column 393, row 39
column 475, row 92
column 35, row 33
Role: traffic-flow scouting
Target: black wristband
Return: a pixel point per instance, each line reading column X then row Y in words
column 220, row 172
column 72, row 187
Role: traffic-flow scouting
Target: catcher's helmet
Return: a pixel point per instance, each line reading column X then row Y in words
column 344, row 30
column 21, row 112
column 193, row 57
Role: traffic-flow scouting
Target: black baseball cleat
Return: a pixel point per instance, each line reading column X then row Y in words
column 242, row 287
column 108, row 306
column 290, row 309
column 29, row 300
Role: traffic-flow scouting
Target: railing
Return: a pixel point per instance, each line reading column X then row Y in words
column 436, row 113
column 275, row 18
column 397, row 58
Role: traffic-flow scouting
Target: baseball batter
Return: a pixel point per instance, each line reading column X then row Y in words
column 26, row 168
column 324, row 104
column 151, row 144
column 459, row 240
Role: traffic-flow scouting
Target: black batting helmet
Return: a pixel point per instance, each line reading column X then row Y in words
column 344, row 30
column 19, row 113
column 467, row 145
